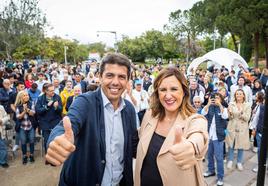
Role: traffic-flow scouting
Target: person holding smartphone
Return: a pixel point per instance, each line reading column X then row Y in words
column 217, row 116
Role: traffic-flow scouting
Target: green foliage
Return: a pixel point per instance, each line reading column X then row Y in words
column 53, row 48
column 97, row 47
column 151, row 44
column 21, row 21
column 246, row 47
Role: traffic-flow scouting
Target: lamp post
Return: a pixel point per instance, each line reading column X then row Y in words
column 115, row 38
column 65, row 54
column 239, row 46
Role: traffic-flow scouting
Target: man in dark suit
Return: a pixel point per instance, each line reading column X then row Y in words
column 98, row 137
column 78, row 81
column 48, row 109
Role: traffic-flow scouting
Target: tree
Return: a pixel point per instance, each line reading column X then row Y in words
column 243, row 19
column 135, row 48
column 20, row 19
column 184, row 24
column 154, row 44
column 97, row 47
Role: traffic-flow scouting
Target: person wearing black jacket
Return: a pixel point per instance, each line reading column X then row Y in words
column 5, row 92
column 98, row 136
column 48, row 109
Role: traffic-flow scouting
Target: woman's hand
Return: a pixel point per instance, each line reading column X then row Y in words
column 182, row 151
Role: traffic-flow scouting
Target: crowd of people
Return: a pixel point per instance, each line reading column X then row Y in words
column 35, row 97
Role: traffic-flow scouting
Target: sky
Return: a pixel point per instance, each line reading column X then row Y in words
column 82, row 19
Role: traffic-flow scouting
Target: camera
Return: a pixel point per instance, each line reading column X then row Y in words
column 212, row 96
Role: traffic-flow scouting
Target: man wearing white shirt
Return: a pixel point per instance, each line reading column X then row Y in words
column 142, row 98
column 41, row 81
column 245, row 88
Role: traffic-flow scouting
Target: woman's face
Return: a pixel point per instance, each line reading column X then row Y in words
column 239, row 96
column 25, row 97
column 30, row 77
column 257, row 84
column 170, row 94
column 197, row 103
column 206, row 80
column 222, row 92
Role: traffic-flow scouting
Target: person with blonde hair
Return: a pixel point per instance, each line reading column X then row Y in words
column 238, row 130
column 166, row 154
column 25, row 124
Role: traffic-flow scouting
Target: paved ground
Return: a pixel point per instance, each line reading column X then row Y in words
column 240, row 178
column 39, row 174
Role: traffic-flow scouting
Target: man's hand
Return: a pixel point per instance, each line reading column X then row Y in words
column 56, row 104
column 50, row 103
column 182, row 151
column 62, row 146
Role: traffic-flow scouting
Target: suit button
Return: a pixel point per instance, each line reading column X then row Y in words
column 102, row 161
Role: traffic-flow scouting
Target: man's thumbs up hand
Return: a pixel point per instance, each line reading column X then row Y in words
column 182, row 150
column 62, row 146
column 68, row 129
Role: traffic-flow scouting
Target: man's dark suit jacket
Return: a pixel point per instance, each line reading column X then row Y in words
column 85, row 166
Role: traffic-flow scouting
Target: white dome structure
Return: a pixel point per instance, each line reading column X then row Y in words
column 220, row 56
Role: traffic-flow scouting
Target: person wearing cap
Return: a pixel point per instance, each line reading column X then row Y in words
column 142, row 98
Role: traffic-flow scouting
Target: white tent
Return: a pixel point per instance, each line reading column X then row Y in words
column 220, row 56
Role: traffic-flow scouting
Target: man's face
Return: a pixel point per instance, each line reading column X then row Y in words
column 12, row 80
column 114, row 81
column 41, row 77
column 241, row 82
column 20, row 87
column 33, row 69
column 6, row 85
column 77, row 78
column 193, row 85
column 69, row 85
column 50, row 91
column 56, row 83
column 138, row 87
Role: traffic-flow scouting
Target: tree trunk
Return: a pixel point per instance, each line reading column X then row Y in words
column 234, row 41
column 188, row 48
column 256, row 49
column 265, row 40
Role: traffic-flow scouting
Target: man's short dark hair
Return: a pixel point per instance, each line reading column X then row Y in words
column 115, row 58
column 19, row 83
column 46, row 86
column 34, row 86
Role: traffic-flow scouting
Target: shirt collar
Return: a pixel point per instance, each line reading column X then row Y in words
column 107, row 102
